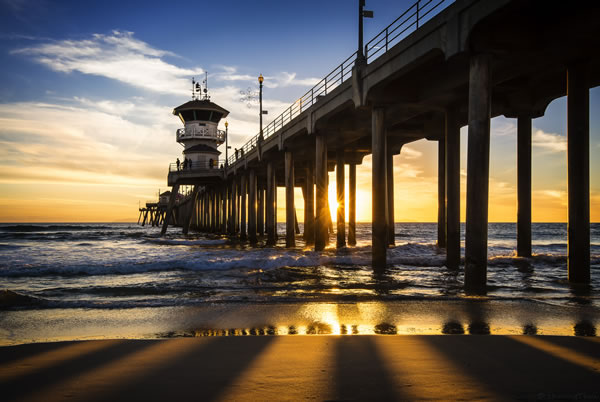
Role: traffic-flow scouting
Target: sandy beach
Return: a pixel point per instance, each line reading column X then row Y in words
column 449, row 367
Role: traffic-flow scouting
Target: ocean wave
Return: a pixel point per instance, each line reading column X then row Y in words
column 10, row 299
column 51, row 228
column 183, row 242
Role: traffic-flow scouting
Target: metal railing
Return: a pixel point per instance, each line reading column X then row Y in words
column 401, row 27
column 197, row 166
column 408, row 22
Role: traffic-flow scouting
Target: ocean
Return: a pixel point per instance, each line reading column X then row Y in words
column 62, row 281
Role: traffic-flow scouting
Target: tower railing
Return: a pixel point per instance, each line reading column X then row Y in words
column 201, row 133
column 408, row 22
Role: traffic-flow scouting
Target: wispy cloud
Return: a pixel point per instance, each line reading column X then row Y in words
column 117, row 56
column 549, row 141
column 410, row 153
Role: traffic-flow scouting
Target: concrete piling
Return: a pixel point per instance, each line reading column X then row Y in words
column 340, row 192
column 252, row 206
column 524, row 186
column 478, row 160
column 270, row 205
column 321, row 221
column 352, row 204
column 290, row 211
column 380, row 232
column 578, row 174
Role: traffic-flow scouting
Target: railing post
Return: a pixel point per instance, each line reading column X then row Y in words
column 386, row 39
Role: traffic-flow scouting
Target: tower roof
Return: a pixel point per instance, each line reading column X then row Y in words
column 197, row 104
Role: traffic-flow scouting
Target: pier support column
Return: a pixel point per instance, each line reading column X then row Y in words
column 340, row 181
column 243, row 191
column 224, row 212
column 271, row 211
column 217, row 210
column 252, row 206
column 578, row 173
column 290, row 211
column 441, row 242
column 172, row 197
column 452, row 189
column 234, row 204
column 352, row 202
column 213, row 205
column 389, row 165
column 321, row 221
column 478, row 164
column 191, row 209
column 260, row 224
column 524, row 186
column 309, row 205
column 379, row 232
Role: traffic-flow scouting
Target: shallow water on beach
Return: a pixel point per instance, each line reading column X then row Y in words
column 128, row 268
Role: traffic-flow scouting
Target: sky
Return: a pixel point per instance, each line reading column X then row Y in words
column 87, row 90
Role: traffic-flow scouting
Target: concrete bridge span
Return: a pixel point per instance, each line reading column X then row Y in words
column 474, row 60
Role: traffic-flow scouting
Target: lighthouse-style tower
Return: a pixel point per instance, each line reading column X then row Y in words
column 200, row 136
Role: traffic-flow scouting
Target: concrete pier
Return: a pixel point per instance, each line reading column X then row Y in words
column 478, row 161
column 321, row 221
column 352, row 204
column 380, row 233
column 578, row 173
column 340, row 192
column 290, row 210
column 426, row 86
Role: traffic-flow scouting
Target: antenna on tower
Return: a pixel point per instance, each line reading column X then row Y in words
column 196, row 90
column 205, row 82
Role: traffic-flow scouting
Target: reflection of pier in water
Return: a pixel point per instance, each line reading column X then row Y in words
column 419, row 79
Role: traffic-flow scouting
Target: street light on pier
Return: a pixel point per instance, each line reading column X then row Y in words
column 260, row 86
column 362, row 13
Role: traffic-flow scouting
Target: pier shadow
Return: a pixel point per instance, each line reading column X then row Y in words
column 361, row 372
column 207, row 369
column 584, row 328
column 453, row 327
column 512, row 369
column 478, row 320
column 64, row 370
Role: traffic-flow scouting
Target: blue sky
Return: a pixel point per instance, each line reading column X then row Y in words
column 87, row 88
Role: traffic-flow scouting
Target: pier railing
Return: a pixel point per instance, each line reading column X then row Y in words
column 408, row 22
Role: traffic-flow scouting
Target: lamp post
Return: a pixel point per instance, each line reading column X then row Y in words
column 226, row 143
column 362, row 14
column 260, row 86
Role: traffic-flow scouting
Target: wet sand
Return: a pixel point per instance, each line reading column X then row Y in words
column 370, row 367
column 476, row 316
